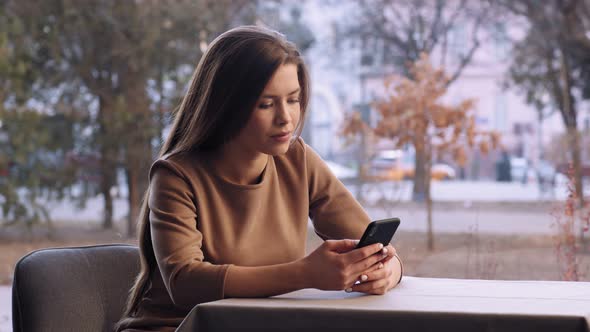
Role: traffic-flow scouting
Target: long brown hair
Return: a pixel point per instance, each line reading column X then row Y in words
column 223, row 92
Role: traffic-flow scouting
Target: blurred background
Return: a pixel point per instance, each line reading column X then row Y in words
column 470, row 120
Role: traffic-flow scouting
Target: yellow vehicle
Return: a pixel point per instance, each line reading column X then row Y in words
column 395, row 165
column 438, row 172
column 387, row 165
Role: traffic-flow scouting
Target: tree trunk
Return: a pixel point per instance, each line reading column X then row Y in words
column 139, row 159
column 427, row 181
column 569, row 114
column 107, row 161
column 362, row 172
column 106, row 171
column 132, row 199
column 138, row 152
column 419, row 190
column 574, row 144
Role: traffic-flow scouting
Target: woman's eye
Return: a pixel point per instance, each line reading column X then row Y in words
column 265, row 106
column 293, row 101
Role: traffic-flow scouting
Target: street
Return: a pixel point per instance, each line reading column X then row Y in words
column 466, row 220
column 459, row 206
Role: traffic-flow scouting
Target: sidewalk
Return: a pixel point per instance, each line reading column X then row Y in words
column 467, row 191
column 464, row 192
column 5, row 309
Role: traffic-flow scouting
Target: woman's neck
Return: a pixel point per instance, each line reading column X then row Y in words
column 239, row 167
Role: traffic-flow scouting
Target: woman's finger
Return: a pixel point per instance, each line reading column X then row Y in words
column 360, row 254
column 375, row 273
column 371, row 287
column 341, row 246
column 367, row 264
column 389, row 250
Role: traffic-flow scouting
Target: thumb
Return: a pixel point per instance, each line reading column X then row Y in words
column 341, row 246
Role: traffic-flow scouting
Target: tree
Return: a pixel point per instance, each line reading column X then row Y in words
column 34, row 167
column 414, row 113
column 31, row 166
column 553, row 61
column 119, row 66
column 399, row 31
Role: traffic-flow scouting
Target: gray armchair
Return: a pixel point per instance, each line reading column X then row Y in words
column 73, row 289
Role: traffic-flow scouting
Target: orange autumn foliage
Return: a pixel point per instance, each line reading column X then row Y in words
column 412, row 111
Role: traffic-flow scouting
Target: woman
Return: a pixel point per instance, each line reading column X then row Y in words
column 226, row 211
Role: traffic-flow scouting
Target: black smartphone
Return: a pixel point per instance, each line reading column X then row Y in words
column 379, row 231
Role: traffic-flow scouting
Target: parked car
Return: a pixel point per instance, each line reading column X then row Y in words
column 397, row 165
column 546, row 172
column 438, row 172
column 521, row 170
column 342, row 172
column 4, row 171
column 388, row 165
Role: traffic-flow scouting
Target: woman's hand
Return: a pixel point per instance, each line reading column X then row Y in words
column 381, row 277
column 337, row 265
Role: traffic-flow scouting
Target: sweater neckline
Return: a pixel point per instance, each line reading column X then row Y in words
column 264, row 176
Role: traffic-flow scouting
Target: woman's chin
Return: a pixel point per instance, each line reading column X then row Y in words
column 278, row 149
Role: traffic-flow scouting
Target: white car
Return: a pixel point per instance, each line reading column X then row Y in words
column 442, row 172
column 521, row 171
column 341, row 171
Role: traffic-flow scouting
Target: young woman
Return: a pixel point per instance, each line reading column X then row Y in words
column 229, row 198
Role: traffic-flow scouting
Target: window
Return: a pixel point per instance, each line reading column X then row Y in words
column 457, row 45
column 501, row 41
column 500, row 112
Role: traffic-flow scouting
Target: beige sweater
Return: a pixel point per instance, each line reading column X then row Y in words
column 201, row 224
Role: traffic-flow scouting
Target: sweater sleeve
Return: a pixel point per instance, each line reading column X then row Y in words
column 176, row 241
column 332, row 208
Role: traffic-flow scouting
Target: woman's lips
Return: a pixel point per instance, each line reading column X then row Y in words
column 282, row 137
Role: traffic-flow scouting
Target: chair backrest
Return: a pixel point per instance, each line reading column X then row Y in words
column 73, row 289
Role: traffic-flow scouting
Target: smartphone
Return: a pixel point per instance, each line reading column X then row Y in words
column 379, row 231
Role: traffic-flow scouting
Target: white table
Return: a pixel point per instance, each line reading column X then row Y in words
column 417, row 304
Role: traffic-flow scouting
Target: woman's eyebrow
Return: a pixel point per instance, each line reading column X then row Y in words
column 290, row 93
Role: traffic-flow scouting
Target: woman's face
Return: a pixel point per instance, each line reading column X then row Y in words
column 276, row 115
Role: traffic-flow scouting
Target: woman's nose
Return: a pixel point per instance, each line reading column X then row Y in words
column 283, row 114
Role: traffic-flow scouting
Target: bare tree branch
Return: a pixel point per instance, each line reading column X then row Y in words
column 409, row 28
column 435, row 26
column 465, row 60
